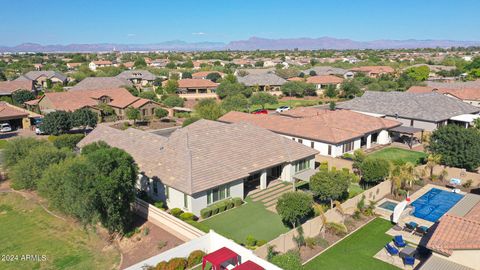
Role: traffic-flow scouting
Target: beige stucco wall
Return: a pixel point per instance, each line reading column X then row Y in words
column 470, row 258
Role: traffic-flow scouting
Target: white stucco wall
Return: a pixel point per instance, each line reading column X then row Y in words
column 383, row 137
column 199, row 200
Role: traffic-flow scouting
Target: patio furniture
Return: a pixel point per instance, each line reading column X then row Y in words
column 391, row 250
column 408, row 251
column 219, row 257
column 408, row 260
column 421, row 230
column 410, row 226
column 398, row 241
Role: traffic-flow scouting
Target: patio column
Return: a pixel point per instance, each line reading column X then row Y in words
column 369, row 141
column 263, row 179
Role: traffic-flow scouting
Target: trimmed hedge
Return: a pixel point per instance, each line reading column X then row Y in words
column 220, row 206
column 237, row 201
column 176, row 212
column 187, row 216
column 206, row 212
column 177, row 264
column 195, row 258
column 161, row 265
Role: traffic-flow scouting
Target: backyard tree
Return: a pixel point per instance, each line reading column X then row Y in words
column 298, row 89
column 161, row 113
column 419, row 73
column 170, row 87
column 350, row 88
column 214, row 76
column 151, row 95
column 56, row 123
column 458, row 146
column 432, row 161
column 294, row 206
column 236, row 102
column 330, row 185
column 262, row 99
column 133, row 114
column 18, row 148
column 173, row 101
column 140, row 63
column 374, row 169
column 21, row 96
column 331, row 91
column 209, row 109
column 84, row 118
column 186, row 75
column 402, row 177
column 228, row 88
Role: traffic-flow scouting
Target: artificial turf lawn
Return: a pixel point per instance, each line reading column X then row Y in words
column 398, row 155
column 27, row 229
column 251, row 218
column 357, row 250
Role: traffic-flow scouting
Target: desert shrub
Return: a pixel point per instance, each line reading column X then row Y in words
column 288, row 261
column 176, row 212
column 159, row 204
column 187, row 216
column 161, row 265
column 357, row 215
column 336, row 228
column 322, row 242
column 66, row 140
column 177, row 264
column 468, row 183
column 195, row 258
column 206, row 212
column 261, row 242
column 237, row 201
column 250, row 241
column 310, row 242
column 161, row 245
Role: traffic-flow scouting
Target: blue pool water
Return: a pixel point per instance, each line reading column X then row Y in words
column 434, row 204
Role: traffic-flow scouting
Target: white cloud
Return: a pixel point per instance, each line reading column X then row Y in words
column 199, row 33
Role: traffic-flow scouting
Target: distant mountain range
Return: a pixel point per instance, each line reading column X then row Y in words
column 253, row 43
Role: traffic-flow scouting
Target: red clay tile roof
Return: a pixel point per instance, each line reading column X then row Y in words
column 8, row 87
column 140, row 102
column 196, row 83
column 463, row 93
column 374, row 69
column 454, row 233
column 316, row 124
column 32, row 102
column 102, row 62
column 9, row 111
column 324, row 79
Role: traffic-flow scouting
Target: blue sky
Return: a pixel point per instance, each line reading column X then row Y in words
column 142, row 21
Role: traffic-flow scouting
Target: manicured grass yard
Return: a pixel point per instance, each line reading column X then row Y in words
column 357, row 250
column 398, row 154
column 25, row 228
column 249, row 219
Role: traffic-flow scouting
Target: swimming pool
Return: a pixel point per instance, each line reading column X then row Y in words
column 434, row 204
column 389, row 205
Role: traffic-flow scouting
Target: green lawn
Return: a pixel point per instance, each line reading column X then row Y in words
column 25, row 228
column 357, row 250
column 290, row 103
column 251, row 218
column 398, row 155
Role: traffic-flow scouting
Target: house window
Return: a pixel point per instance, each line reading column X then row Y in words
column 300, row 140
column 185, row 201
column 302, row 165
column 411, row 122
column 167, row 193
column 153, row 111
column 348, row 147
column 155, row 187
column 293, row 139
column 312, row 144
column 144, row 112
column 329, row 150
column 218, row 193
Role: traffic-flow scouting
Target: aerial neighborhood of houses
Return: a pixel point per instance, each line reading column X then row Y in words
column 266, row 159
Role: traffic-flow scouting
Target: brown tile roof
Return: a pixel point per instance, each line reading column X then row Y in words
column 456, row 233
column 8, row 87
column 196, row 83
column 324, row 79
column 91, row 83
column 204, row 154
column 202, row 74
column 316, row 124
column 374, row 69
column 8, row 111
column 142, row 101
column 32, row 102
column 463, row 93
column 102, row 62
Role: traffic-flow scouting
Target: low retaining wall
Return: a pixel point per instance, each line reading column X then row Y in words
column 169, row 223
column 313, row 227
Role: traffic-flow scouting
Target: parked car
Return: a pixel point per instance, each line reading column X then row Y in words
column 38, row 130
column 260, row 111
column 282, row 109
column 5, row 127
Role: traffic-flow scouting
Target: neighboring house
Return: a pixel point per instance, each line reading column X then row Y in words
column 195, row 86
column 92, row 83
column 73, row 66
column 323, row 81
column 204, row 74
column 159, row 63
column 119, row 99
column 325, row 70
column 434, row 69
column 41, row 78
column 8, row 87
column 467, row 95
column 138, row 77
column 426, row 111
column 207, row 161
column 264, row 82
column 332, row 133
column 99, row 64
column 455, row 238
column 128, row 65
column 374, row 71
column 455, row 85
column 17, row 117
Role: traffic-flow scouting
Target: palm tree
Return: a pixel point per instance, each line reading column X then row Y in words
column 402, row 176
column 339, row 208
column 432, row 161
column 322, row 216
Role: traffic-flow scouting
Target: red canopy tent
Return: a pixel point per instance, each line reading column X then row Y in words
column 248, row 265
column 218, row 257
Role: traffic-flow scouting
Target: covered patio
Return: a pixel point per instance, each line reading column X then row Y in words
column 409, row 135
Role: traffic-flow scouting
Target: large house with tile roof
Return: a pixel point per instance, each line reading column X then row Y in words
column 264, row 81
column 207, row 161
column 467, row 95
column 92, row 83
column 373, row 71
column 8, row 87
column 331, row 133
column 42, row 78
column 138, row 77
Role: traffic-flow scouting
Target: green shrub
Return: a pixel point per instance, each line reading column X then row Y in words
column 161, row 265
column 237, row 201
column 322, row 242
column 187, row 216
column 261, row 242
column 288, row 261
column 250, row 241
column 160, row 205
column 336, row 228
column 222, row 206
column 310, row 242
column 201, row 226
column 177, row 264
column 323, row 166
column 348, row 156
column 214, row 209
column 230, row 204
column 176, row 212
column 468, row 183
column 66, row 140
column 195, row 258
column 206, row 212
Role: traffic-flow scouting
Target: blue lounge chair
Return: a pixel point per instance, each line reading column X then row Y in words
column 398, row 241
column 410, row 226
column 409, row 260
column 421, row 230
column 391, row 250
